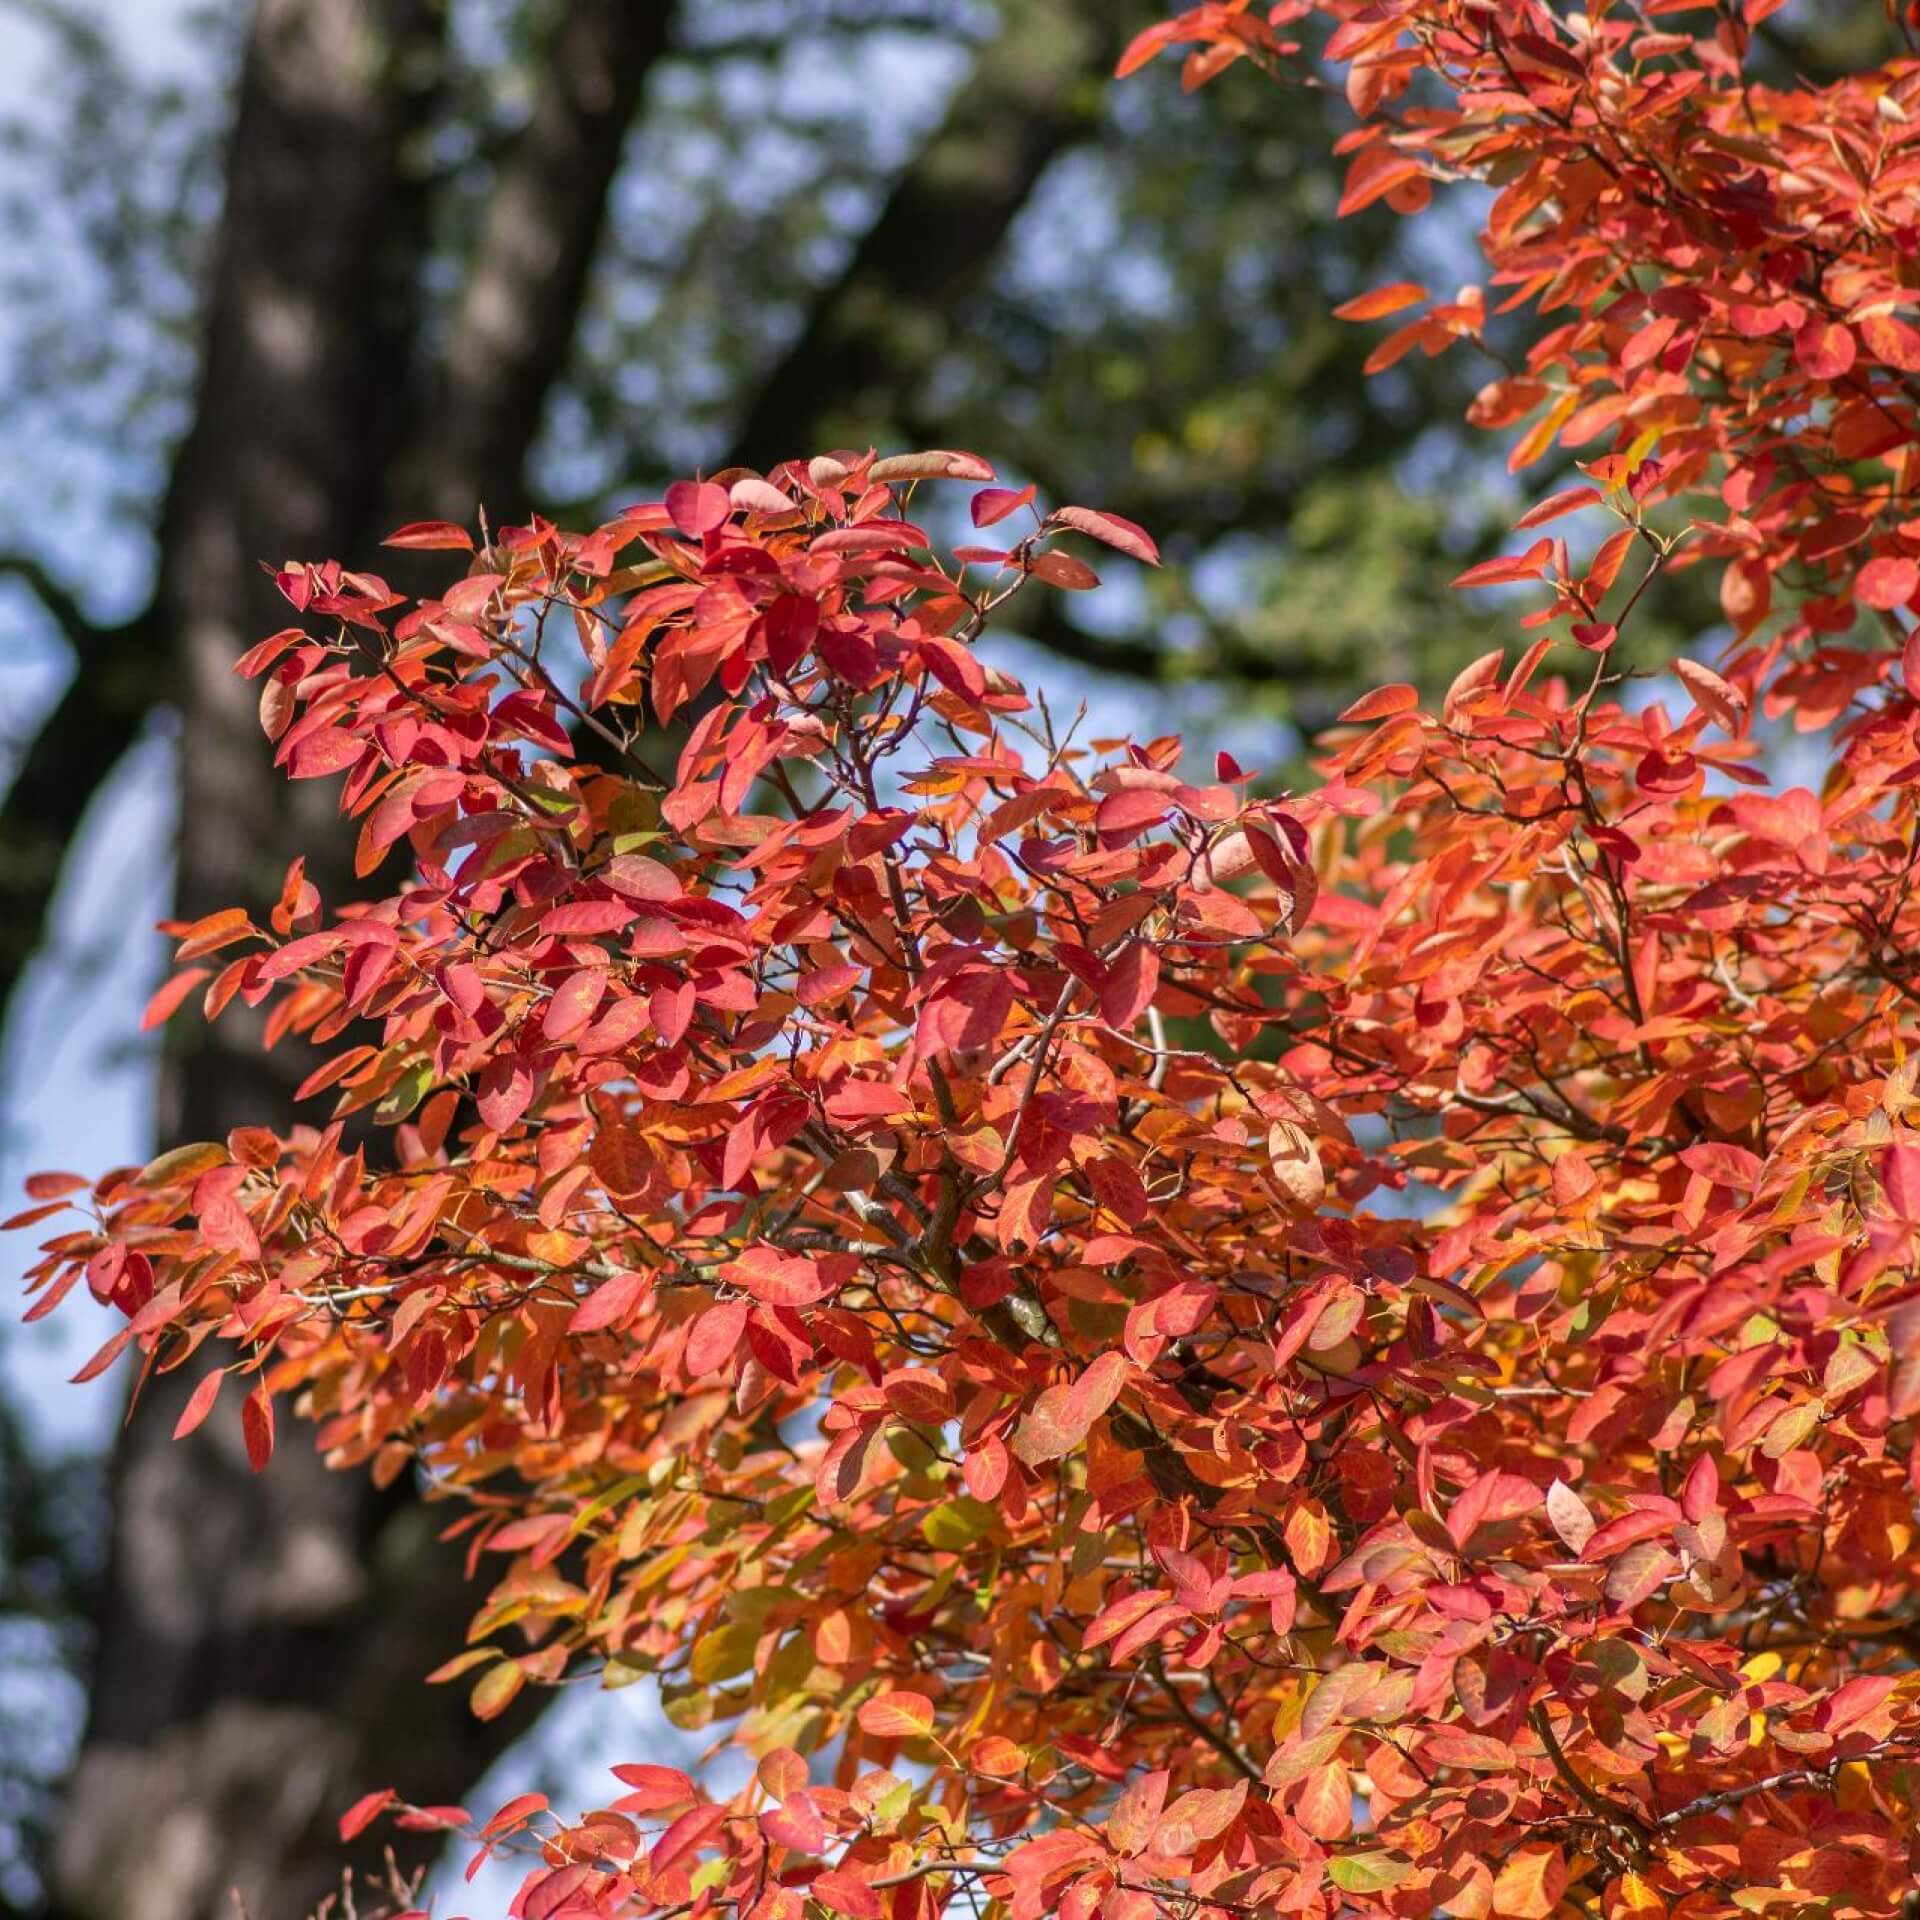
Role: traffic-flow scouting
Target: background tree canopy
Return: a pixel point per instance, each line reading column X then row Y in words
column 331, row 264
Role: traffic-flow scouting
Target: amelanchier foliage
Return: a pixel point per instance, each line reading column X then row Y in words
column 898, row 1223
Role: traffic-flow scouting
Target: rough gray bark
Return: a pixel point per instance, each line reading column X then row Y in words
column 261, row 1641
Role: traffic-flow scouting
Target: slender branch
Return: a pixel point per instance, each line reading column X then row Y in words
column 1611, row 1811
column 1214, row 1738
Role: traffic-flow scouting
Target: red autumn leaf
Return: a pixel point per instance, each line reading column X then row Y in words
column 364, row 1811
column 1507, row 569
column 1061, row 1418
column 1491, row 1497
column 654, row 1787
column 1382, row 703
column 256, row 1426
column 1146, row 45
column 1892, row 340
column 51, row 1186
column 1381, row 301
column 1137, row 1811
column 779, row 1279
column 686, row 1836
column 1887, row 582
column 167, row 999
column 941, row 463
column 505, row 1092
column 431, row 535
column 842, row 1891
column 715, row 1337
column 324, row 751
column 1856, row 1701
column 1130, row 984
column 574, row 1003
column 1824, row 348
column 199, row 1404
column 1200, row 1815
column 1719, row 699
column 1628, row 1530
column 698, row 506
column 796, row 1823
column 1721, row 1161
column 1125, row 815
column 1062, row 570
column 517, row 1811
column 993, row 504
column 1900, row 1176
column 1376, row 171
column 611, row 1301
column 1108, row 528
column 1567, row 500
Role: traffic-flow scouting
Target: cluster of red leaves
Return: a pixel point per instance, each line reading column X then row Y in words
column 1141, row 1348
column 1725, row 264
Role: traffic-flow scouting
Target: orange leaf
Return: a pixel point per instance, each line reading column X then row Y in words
column 51, row 1186
column 1381, row 301
column 1381, row 703
column 897, row 1716
column 431, row 534
column 1567, row 500
column 1375, row 172
column 164, row 1003
column 1529, row 1885
column 199, row 1405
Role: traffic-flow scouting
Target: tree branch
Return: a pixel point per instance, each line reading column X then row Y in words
column 520, row 307
column 119, row 672
column 60, row 606
column 1212, row 1735
column 881, row 326
column 1613, row 1813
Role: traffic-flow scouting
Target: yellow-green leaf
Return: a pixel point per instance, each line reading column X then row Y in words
column 1371, row 1872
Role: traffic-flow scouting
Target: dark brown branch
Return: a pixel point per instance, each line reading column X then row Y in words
column 520, row 308
column 879, row 328
column 118, row 674
column 56, row 601
column 1613, row 1813
column 1212, row 1735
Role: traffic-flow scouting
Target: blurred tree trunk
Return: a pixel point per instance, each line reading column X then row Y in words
column 261, row 1640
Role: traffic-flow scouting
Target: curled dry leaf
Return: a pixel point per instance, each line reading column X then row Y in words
column 1295, row 1164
